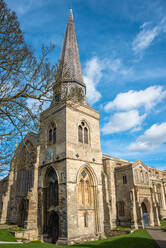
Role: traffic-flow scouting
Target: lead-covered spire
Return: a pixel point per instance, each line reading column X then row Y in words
column 70, row 59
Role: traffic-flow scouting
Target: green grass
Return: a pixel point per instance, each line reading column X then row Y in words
column 5, row 235
column 163, row 225
column 16, row 228
column 123, row 228
column 138, row 239
column 163, row 222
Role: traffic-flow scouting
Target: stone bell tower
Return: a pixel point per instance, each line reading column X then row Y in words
column 70, row 195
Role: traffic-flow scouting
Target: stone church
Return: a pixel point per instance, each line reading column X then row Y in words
column 62, row 189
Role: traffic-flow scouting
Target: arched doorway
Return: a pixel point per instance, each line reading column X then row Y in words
column 23, row 212
column 51, row 200
column 53, row 226
column 145, row 214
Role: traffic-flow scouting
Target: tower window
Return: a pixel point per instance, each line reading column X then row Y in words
column 54, row 135
column 124, row 180
column 50, row 135
column 80, row 135
column 83, row 133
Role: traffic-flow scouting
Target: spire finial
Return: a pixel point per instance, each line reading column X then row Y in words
column 70, row 5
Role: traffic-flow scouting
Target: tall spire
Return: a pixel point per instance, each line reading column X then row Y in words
column 70, row 59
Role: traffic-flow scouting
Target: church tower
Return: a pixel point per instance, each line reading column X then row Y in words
column 70, row 187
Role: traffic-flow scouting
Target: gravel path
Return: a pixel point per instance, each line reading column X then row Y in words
column 159, row 236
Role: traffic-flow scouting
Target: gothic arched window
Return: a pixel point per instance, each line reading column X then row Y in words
column 54, row 135
column 52, row 188
column 50, row 135
column 85, row 189
column 51, row 194
column 80, row 134
column 83, row 133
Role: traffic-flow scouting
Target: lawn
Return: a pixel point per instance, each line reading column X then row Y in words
column 163, row 224
column 138, row 239
column 5, row 235
column 122, row 228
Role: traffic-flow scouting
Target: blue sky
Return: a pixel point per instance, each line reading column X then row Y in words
column 122, row 47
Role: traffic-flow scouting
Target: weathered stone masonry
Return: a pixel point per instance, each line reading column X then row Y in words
column 61, row 188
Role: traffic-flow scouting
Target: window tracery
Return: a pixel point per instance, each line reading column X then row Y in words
column 85, row 189
column 52, row 188
column 52, row 134
column 83, row 133
column 80, row 134
column 25, row 180
column 28, row 155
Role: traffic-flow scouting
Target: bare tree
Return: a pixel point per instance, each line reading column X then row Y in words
column 26, row 85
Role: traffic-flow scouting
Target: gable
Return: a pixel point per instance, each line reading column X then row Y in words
column 140, row 165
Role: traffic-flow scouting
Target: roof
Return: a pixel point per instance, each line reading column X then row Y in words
column 70, row 59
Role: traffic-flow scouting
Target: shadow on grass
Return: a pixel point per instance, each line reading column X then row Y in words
column 139, row 239
column 125, row 242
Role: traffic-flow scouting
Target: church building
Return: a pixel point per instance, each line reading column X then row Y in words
column 61, row 188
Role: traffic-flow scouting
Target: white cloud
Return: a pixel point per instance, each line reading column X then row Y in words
column 151, row 139
column 92, row 76
column 123, row 121
column 147, row 98
column 116, row 66
column 105, row 69
column 144, row 39
column 147, row 35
